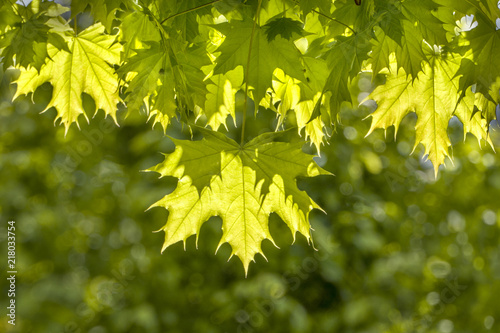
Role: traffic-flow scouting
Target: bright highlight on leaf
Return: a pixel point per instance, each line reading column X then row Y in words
column 242, row 185
column 221, row 98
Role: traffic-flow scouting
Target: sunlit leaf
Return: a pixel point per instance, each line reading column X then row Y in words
column 241, row 184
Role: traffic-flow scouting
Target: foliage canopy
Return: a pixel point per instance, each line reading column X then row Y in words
column 194, row 60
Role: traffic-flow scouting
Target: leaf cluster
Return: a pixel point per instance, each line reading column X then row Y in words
column 193, row 60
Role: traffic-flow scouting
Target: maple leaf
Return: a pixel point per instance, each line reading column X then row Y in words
column 136, row 30
column 221, row 98
column 421, row 15
column 383, row 47
column 8, row 16
column 26, row 40
column 485, row 45
column 352, row 15
column 166, row 76
column 313, row 125
column 338, row 80
column 316, row 73
column 410, row 54
column 20, row 42
column 284, row 27
column 264, row 57
column 86, row 69
column 287, row 92
column 103, row 11
column 149, row 65
column 293, row 95
column 390, row 20
column 308, row 5
column 241, row 184
column 473, row 122
column 186, row 24
column 400, row 31
column 437, row 88
column 345, row 60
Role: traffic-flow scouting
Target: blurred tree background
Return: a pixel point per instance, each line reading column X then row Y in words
column 397, row 250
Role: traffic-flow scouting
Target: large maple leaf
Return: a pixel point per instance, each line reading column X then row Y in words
column 241, row 184
column 221, row 98
column 87, row 68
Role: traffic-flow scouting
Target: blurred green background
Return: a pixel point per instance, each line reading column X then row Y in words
column 397, row 251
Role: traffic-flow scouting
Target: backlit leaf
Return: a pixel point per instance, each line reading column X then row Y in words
column 86, row 69
column 241, row 184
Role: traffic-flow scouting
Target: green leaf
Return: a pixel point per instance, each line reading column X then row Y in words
column 383, row 47
column 147, row 66
column 410, row 55
column 485, row 10
column 316, row 73
column 188, row 23
column 485, row 46
column 294, row 95
column 421, row 14
column 434, row 97
column 26, row 40
column 8, row 17
column 309, row 5
column 264, row 58
column 345, row 59
column 487, row 90
column 390, row 20
column 21, row 42
column 164, row 106
column 136, row 30
column 190, row 79
column 167, row 77
column 86, row 69
column 286, row 92
column 313, row 124
column 102, row 11
column 284, row 27
column 220, row 101
column 349, row 13
column 241, row 184
column 226, row 6
column 473, row 122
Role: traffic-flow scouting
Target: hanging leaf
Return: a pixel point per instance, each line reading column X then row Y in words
column 85, row 69
column 241, row 184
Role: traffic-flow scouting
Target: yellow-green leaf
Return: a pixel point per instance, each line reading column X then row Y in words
column 88, row 68
column 434, row 97
column 241, row 184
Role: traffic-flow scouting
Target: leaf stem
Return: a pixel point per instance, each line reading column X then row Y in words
column 247, row 72
column 334, row 20
column 189, row 10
